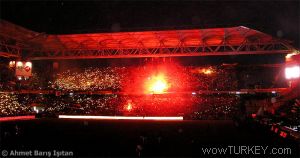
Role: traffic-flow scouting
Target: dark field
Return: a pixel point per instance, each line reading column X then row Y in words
column 121, row 138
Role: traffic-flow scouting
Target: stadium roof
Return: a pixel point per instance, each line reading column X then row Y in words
column 194, row 42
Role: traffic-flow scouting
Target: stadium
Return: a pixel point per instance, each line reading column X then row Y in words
column 230, row 91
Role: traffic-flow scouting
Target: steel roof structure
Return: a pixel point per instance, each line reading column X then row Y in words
column 16, row 41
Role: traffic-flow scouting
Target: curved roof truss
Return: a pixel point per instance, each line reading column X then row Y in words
column 195, row 42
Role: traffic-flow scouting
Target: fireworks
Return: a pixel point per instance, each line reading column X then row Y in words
column 157, row 84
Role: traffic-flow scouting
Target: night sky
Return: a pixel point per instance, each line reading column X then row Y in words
column 281, row 19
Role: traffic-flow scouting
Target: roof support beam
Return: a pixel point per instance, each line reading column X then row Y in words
column 88, row 56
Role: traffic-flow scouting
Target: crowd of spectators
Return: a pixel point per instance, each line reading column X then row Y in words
column 124, row 78
column 190, row 106
column 180, row 78
column 12, row 105
column 128, row 79
column 90, row 79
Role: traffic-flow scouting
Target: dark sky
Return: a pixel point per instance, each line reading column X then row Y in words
column 278, row 18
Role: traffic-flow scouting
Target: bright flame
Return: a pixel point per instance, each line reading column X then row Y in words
column 158, row 84
column 207, row 71
column 129, row 107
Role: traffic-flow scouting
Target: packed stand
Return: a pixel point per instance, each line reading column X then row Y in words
column 190, row 106
column 124, row 78
column 12, row 105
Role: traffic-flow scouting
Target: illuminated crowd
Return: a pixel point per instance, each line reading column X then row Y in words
column 129, row 79
column 215, row 79
column 12, row 104
column 190, row 106
column 215, row 107
column 126, row 78
column 90, row 79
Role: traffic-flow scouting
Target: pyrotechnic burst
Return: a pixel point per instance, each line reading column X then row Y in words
column 157, row 84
